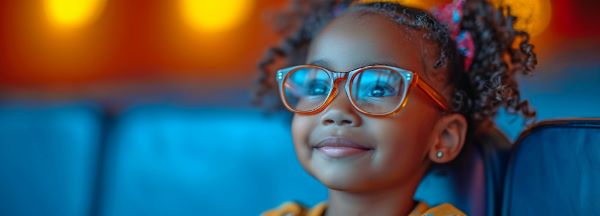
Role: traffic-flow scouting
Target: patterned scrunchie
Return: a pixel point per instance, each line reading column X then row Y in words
column 451, row 15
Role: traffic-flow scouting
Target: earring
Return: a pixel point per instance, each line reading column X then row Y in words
column 439, row 154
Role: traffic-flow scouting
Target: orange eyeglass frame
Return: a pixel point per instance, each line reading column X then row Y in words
column 410, row 78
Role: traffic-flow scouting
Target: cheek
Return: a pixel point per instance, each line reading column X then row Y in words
column 399, row 144
column 403, row 143
column 301, row 129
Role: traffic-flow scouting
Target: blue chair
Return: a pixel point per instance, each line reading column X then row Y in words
column 555, row 170
column 48, row 156
column 173, row 160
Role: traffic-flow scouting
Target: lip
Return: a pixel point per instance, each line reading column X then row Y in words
column 339, row 147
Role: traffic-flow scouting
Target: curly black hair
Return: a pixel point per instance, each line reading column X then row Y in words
column 501, row 52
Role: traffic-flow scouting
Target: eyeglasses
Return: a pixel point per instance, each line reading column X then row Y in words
column 377, row 90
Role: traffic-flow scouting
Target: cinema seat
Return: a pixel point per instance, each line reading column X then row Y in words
column 48, row 158
column 555, row 170
column 176, row 160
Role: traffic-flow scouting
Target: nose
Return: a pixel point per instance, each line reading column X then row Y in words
column 339, row 118
column 340, row 112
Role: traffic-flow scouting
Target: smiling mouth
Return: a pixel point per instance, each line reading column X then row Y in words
column 337, row 147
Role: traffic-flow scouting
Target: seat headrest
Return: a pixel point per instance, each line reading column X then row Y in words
column 555, row 170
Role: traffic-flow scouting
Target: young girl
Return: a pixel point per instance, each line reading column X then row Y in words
column 381, row 91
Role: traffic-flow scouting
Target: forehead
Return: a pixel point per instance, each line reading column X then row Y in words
column 357, row 39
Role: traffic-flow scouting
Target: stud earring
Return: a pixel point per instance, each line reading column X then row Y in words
column 439, row 154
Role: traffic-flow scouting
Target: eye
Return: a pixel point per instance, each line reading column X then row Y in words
column 379, row 90
column 317, row 87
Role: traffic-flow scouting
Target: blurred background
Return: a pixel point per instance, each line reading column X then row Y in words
column 142, row 107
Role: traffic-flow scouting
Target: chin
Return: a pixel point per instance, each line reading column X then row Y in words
column 347, row 186
column 342, row 180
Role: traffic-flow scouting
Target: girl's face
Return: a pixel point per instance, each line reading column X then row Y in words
column 393, row 150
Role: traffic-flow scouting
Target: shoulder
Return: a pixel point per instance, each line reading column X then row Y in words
column 296, row 209
column 440, row 210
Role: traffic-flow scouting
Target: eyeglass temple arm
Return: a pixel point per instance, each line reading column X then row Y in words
column 433, row 94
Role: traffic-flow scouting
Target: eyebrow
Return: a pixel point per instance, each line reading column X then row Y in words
column 380, row 63
column 324, row 63
column 321, row 62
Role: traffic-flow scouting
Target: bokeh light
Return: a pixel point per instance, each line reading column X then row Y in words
column 68, row 14
column 532, row 15
column 215, row 15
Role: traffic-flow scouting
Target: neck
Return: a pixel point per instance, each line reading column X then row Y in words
column 397, row 200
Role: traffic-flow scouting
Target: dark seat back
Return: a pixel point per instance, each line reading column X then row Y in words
column 555, row 170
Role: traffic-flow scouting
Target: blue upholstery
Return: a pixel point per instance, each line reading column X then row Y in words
column 48, row 159
column 555, row 170
column 168, row 160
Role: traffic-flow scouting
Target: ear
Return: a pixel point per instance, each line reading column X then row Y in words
column 448, row 137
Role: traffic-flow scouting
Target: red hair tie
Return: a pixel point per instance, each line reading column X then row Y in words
column 451, row 16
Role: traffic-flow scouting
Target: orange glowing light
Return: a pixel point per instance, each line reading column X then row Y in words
column 533, row 15
column 73, row 13
column 215, row 15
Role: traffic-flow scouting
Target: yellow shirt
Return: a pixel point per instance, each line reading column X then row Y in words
column 422, row 209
